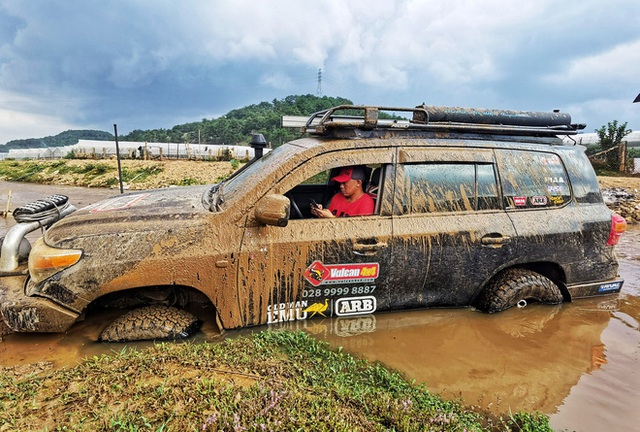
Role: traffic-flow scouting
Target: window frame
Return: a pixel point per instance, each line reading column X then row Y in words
column 451, row 155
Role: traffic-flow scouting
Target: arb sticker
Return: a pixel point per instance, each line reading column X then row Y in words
column 355, row 306
column 323, row 274
column 539, row 200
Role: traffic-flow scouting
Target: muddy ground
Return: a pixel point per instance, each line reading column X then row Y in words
column 622, row 195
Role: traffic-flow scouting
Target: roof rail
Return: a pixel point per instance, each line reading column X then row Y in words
column 425, row 117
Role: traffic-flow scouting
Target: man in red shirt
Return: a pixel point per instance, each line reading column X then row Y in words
column 351, row 200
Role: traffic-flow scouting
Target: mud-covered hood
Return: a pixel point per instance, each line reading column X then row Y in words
column 160, row 209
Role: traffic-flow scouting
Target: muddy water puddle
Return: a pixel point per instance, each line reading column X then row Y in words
column 578, row 362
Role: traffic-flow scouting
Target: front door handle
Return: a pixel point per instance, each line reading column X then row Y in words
column 367, row 249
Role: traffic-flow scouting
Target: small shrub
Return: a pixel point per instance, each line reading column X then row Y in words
column 187, row 181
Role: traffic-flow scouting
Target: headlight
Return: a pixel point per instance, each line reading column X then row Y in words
column 45, row 261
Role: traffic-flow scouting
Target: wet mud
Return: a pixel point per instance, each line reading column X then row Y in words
column 578, row 362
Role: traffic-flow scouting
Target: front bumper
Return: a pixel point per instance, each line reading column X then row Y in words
column 31, row 314
column 610, row 286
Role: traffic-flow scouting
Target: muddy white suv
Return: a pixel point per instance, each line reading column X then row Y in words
column 479, row 208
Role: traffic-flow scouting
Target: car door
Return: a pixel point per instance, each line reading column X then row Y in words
column 450, row 231
column 318, row 267
column 538, row 199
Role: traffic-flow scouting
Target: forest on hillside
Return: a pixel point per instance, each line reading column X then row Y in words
column 235, row 127
column 238, row 125
column 65, row 138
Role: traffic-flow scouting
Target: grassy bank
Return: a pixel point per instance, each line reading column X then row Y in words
column 275, row 381
column 136, row 174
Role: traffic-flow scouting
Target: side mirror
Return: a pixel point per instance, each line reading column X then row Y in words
column 273, row 210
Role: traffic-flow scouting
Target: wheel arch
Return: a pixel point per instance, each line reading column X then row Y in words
column 551, row 270
column 182, row 296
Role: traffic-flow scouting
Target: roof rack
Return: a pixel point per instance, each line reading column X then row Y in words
column 425, row 117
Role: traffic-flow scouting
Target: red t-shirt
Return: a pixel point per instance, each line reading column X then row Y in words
column 340, row 207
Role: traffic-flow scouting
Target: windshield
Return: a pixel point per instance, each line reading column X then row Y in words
column 254, row 174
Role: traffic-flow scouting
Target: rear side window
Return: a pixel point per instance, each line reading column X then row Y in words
column 449, row 187
column 533, row 179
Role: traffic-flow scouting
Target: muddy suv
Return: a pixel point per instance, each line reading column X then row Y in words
column 479, row 208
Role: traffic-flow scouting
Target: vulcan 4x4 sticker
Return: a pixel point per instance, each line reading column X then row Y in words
column 324, row 274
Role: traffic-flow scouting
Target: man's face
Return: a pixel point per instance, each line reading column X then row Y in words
column 350, row 187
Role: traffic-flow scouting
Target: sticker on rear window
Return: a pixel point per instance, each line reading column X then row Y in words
column 539, row 200
column 520, row 201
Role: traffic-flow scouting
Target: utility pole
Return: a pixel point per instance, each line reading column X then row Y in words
column 115, row 133
column 319, row 89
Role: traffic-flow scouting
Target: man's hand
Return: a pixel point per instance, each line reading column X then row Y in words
column 321, row 212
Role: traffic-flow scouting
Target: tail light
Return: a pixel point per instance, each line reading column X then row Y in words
column 618, row 226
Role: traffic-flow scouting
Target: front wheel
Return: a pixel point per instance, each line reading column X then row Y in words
column 155, row 322
column 517, row 287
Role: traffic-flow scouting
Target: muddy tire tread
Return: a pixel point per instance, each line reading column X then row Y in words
column 151, row 322
column 513, row 285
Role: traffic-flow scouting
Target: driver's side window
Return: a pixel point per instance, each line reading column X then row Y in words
column 321, row 189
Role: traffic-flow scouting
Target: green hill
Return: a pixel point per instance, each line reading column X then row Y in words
column 65, row 138
column 238, row 125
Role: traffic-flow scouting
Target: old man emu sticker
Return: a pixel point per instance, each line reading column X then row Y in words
column 334, row 289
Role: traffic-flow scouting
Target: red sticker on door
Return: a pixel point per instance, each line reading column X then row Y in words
column 321, row 274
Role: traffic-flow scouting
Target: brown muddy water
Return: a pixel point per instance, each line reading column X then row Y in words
column 578, row 362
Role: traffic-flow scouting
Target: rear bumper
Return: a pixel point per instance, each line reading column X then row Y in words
column 610, row 286
column 31, row 314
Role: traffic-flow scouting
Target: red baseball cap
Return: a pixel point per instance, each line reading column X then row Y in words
column 348, row 173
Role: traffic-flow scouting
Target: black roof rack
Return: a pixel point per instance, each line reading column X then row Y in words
column 425, row 117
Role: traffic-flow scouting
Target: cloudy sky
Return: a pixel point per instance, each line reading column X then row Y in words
column 87, row 64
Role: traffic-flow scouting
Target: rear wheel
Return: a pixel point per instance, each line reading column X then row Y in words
column 517, row 287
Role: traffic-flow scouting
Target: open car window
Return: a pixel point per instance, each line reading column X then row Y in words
column 319, row 188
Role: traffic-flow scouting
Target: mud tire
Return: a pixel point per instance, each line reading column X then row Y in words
column 513, row 285
column 151, row 323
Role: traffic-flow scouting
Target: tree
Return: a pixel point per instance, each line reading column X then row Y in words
column 611, row 137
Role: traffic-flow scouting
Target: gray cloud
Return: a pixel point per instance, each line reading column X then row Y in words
column 147, row 64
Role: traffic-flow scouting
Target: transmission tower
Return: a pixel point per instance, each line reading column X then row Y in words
column 319, row 89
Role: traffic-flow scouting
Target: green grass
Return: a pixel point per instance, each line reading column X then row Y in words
column 140, row 174
column 12, row 170
column 276, row 381
column 38, row 172
column 95, row 173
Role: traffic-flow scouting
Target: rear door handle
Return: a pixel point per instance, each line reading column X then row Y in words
column 494, row 241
